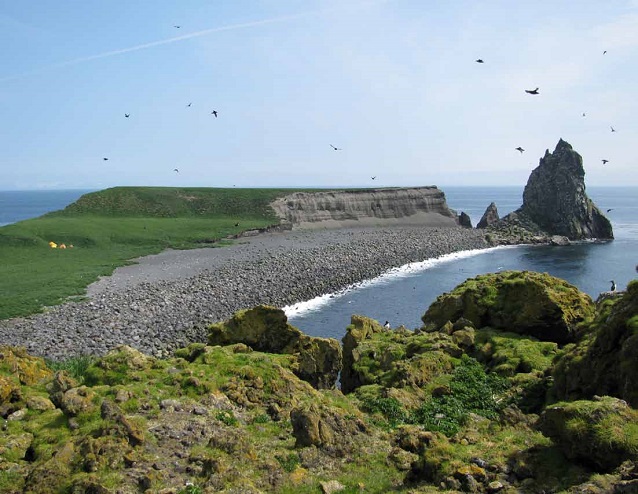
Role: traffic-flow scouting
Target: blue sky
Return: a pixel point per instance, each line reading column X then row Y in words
column 392, row 83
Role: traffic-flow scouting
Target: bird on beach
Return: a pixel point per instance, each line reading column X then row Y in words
column 613, row 286
column 612, row 129
column 532, row 91
column 605, row 161
column 520, row 149
column 479, row 60
column 214, row 112
column 335, row 148
column 126, row 115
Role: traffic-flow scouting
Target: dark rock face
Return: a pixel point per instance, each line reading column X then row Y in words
column 490, row 216
column 464, row 220
column 555, row 198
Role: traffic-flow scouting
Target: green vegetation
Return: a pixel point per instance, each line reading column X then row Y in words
column 76, row 367
column 110, row 228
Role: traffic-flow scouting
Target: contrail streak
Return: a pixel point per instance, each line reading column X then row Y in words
column 175, row 39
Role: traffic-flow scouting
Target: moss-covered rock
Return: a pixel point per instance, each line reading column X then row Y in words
column 601, row 433
column 266, row 329
column 605, row 361
column 523, row 302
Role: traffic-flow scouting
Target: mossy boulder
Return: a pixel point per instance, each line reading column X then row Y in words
column 524, row 302
column 17, row 369
column 266, row 329
column 605, row 361
column 602, row 433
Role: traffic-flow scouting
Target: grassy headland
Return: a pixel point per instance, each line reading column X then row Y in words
column 109, row 228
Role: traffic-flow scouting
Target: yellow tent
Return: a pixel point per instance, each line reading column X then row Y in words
column 53, row 245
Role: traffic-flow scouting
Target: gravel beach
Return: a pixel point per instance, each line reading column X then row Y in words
column 164, row 301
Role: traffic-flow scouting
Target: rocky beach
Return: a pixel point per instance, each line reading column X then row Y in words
column 164, row 302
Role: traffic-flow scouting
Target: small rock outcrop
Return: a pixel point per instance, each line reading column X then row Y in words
column 266, row 329
column 464, row 220
column 490, row 217
column 555, row 199
column 524, row 302
column 409, row 205
column 597, row 433
column 606, row 360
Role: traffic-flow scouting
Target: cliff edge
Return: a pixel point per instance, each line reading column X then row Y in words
column 365, row 207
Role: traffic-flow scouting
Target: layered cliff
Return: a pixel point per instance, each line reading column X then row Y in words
column 414, row 205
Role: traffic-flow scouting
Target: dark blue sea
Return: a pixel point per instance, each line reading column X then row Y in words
column 402, row 296
column 18, row 205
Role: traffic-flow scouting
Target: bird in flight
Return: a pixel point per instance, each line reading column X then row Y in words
column 373, row 177
column 604, row 52
column 188, row 105
column 612, row 129
column 335, row 148
column 177, row 27
column 584, row 114
column 532, row 91
column 105, row 159
column 605, row 161
column 175, row 170
column 127, row 115
column 214, row 112
column 520, row 149
column 610, row 209
column 479, row 60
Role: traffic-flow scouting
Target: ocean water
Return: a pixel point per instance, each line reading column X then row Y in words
column 403, row 295
column 18, row 205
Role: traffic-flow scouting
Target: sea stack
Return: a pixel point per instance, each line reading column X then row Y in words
column 555, row 199
column 490, row 217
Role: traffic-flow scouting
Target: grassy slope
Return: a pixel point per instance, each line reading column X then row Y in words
column 111, row 227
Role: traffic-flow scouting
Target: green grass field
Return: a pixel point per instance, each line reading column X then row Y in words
column 109, row 228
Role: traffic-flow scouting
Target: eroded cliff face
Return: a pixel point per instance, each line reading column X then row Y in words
column 416, row 205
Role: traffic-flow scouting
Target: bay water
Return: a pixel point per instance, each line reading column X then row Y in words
column 402, row 295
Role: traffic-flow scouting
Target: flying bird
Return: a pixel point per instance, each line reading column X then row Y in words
column 175, row 170
column 188, row 105
column 583, row 114
column 335, row 148
column 105, row 159
column 610, row 209
column 177, row 27
column 605, row 161
column 373, row 177
column 612, row 129
column 604, row 52
column 214, row 112
column 520, row 149
column 532, row 91
column 479, row 60
column 127, row 115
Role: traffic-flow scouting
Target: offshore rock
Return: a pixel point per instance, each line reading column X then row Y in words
column 410, row 205
column 490, row 217
column 524, row 302
column 266, row 329
column 555, row 199
column 464, row 220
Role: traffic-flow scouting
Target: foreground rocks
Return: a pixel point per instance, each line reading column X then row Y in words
column 455, row 406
